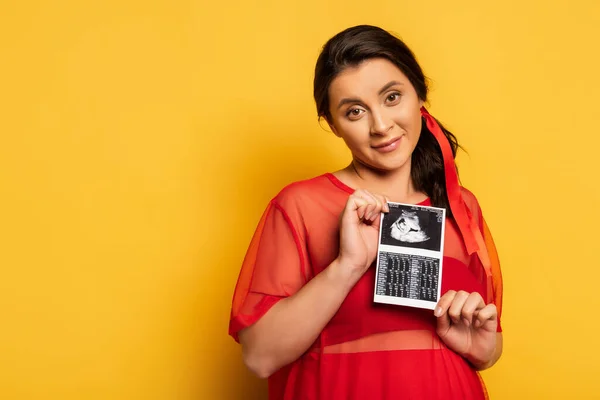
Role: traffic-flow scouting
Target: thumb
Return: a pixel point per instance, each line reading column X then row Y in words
column 443, row 324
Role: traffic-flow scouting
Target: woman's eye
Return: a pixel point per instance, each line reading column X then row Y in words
column 354, row 112
column 393, row 97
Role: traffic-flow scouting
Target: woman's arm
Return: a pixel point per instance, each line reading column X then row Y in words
column 292, row 325
column 482, row 365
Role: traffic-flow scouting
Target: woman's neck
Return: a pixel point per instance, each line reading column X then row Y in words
column 396, row 185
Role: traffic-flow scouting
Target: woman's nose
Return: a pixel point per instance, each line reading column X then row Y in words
column 380, row 123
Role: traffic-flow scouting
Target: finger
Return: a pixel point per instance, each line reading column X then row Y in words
column 364, row 194
column 382, row 200
column 374, row 212
column 444, row 303
column 368, row 199
column 474, row 302
column 372, row 203
column 362, row 210
column 487, row 313
column 378, row 202
column 355, row 204
column 376, row 222
column 441, row 310
column 377, row 213
column 456, row 307
column 371, row 195
column 369, row 211
column 386, row 204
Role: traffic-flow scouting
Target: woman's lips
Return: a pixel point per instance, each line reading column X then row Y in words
column 388, row 146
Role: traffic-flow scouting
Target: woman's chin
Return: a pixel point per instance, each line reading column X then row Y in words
column 386, row 167
column 392, row 164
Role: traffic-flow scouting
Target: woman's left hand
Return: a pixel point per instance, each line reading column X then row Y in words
column 467, row 325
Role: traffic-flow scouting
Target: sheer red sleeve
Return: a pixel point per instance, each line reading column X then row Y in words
column 496, row 273
column 273, row 268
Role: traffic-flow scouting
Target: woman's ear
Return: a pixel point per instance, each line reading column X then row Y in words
column 331, row 126
column 333, row 129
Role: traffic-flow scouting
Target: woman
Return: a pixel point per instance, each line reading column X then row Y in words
column 303, row 307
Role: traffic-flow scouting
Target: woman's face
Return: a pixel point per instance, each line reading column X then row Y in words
column 377, row 112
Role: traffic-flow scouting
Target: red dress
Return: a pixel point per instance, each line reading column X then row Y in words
column 367, row 350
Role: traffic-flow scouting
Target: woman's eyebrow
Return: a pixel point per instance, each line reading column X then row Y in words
column 389, row 85
column 346, row 101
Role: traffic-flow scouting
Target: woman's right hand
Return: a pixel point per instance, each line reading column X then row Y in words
column 359, row 231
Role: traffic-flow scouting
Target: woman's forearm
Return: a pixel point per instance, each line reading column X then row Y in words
column 292, row 325
column 483, row 365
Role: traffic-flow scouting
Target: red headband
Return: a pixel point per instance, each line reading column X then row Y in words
column 467, row 225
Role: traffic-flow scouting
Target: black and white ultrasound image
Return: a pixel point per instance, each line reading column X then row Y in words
column 412, row 226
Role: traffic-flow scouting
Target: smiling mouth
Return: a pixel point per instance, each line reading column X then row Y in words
column 386, row 144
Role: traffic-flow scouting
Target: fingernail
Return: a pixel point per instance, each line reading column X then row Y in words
column 438, row 311
column 466, row 321
column 477, row 323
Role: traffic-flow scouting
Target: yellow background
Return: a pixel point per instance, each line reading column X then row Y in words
column 141, row 141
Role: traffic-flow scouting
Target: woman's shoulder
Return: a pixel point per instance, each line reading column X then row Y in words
column 471, row 201
column 298, row 192
column 468, row 195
